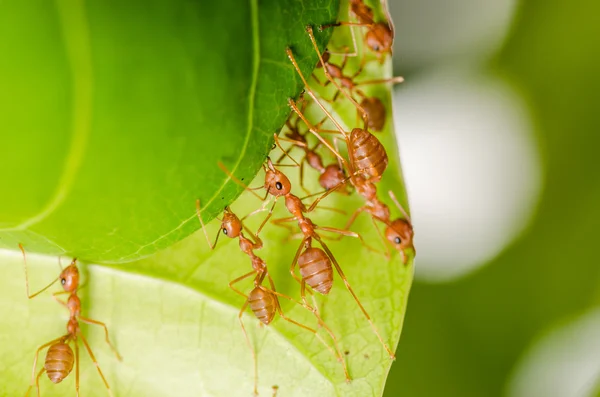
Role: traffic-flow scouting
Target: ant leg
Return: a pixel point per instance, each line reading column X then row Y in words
column 54, row 296
column 389, row 20
column 27, row 278
column 343, row 23
column 327, row 193
column 264, row 222
column 393, row 80
column 293, row 141
column 319, row 82
column 354, row 52
column 290, row 55
column 101, row 324
column 37, row 383
column 89, row 350
column 257, row 243
column 283, row 150
column 349, row 233
column 302, row 176
column 280, row 222
column 237, row 280
column 395, row 200
column 356, row 104
column 349, row 288
column 35, row 360
column 213, row 245
column 293, row 268
column 254, row 359
column 314, row 130
column 261, row 209
column 387, row 253
column 337, row 352
column 363, row 62
column 76, row 368
column 239, row 182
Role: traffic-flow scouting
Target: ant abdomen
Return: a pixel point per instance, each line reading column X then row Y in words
column 315, row 268
column 376, row 112
column 368, row 155
column 331, row 177
column 59, row 361
column 263, row 304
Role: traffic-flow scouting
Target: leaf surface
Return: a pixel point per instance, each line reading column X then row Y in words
column 173, row 317
column 115, row 114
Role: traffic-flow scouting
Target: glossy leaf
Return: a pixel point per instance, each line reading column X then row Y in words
column 175, row 321
column 115, row 114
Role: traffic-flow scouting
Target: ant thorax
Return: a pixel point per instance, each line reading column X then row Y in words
column 380, row 211
column 245, row 244
column 294, row 205
column 365, row 188
column 74, row 305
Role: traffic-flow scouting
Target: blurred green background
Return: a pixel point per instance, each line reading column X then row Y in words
column 474, row 335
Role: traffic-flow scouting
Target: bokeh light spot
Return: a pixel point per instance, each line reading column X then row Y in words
column 471, row 165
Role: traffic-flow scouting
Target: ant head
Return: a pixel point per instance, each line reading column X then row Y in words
column 380, row 38
column 276, row 182
column 69, row 277
column 74, row 305
column 400, row 234
column 231, row 224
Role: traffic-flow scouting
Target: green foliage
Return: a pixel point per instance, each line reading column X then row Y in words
column 115, row 114
column 132, row 192
column 469, row 335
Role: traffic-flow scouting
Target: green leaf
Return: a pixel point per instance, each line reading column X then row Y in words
column 115, row 114
column 171, row 314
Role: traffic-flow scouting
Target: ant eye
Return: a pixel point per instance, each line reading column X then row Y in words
column 397, row 240
column 375, row 48
column 224, row 231
column 278, row 185
column 63, row 281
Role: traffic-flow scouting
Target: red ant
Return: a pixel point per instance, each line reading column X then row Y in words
column 59, row 358
column 370, row 108
column 331, row 175
column 380, row 35
column 315, row 264
column 368, row 157
column 263, row 301
column 368, row 161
